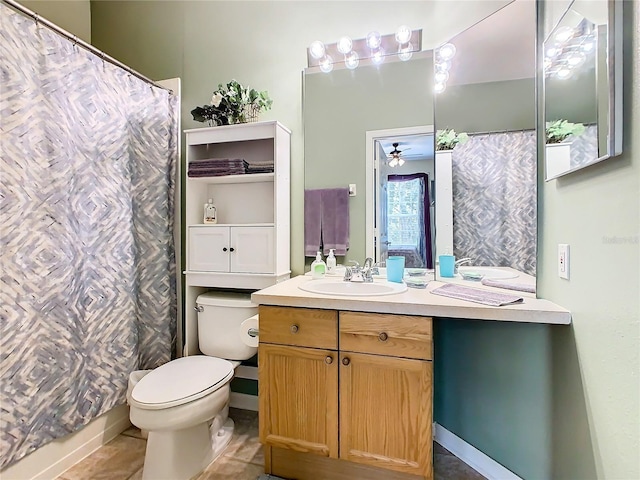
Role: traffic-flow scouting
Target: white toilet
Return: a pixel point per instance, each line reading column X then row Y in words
column 184, row 404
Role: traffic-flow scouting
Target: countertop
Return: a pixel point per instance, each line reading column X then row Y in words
column 414, row 302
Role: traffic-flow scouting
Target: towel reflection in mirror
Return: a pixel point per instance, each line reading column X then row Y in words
column 326, row 221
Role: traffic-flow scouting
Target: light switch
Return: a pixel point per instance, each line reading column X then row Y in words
column 352, row 189
column 563, row 260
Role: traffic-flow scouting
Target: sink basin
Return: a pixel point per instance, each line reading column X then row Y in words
column 352, row 289
column 487, row 272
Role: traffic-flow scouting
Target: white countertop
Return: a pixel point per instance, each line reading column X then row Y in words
column 415, row 302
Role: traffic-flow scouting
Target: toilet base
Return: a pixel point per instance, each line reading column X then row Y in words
column 181, row 454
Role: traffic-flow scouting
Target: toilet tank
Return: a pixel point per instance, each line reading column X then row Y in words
column 220, row 330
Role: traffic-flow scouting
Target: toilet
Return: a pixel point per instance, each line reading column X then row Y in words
column 184, row 404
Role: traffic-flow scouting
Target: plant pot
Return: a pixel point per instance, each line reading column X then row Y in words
column 557, row 159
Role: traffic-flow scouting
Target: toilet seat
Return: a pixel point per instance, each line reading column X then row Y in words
column 181, row 381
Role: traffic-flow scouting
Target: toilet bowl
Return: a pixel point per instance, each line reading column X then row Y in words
column 184, row 404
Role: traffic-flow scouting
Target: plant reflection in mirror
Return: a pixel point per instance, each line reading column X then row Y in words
column 559, row 130
column 447, row 139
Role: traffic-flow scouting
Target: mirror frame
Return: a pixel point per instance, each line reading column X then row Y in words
column 614, row 67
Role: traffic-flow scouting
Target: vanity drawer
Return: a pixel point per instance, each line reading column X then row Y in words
column 385, row 334
column 302, row 327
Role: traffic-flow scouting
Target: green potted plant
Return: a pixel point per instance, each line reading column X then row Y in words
column 232, row 103
column 559, row 130
column 447, row 139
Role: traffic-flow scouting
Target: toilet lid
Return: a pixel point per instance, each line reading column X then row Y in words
column 182, row 380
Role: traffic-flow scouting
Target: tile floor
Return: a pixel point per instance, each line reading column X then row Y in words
column 123, row 457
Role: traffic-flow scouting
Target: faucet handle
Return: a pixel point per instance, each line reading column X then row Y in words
column 355, row 264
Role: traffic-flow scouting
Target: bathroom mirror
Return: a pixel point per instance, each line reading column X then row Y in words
column 339, row 109
column 486, row 187
column 581, row 63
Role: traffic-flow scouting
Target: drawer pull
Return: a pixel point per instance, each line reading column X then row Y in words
column 294, row 328
column 346, row 361
column 328, row 360
column 383, row 337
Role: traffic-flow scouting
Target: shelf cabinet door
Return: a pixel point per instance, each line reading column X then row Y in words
column 394, row 430
column 208, row 249
column 253, row 250
column 298, row 398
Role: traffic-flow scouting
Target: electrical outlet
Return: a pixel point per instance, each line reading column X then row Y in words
column 563, row 260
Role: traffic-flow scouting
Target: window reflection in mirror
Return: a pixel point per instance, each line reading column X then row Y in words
column 489, row 213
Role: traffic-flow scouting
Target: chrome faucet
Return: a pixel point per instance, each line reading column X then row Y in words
column 356, row 273
column 462, row 261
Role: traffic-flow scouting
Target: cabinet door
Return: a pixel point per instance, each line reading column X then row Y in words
column 253, row 250
column 298, row 398
column 394, row 430
column 208, row 249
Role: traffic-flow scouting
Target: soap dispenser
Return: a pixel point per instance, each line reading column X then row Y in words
column 318, row 267
column 210, row 214
column 331, row 262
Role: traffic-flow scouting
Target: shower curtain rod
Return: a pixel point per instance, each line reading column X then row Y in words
column 503, row 131
column 77, row 41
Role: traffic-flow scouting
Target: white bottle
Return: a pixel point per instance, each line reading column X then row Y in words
column 331, row 262
column 210, row 214
column 318, row 267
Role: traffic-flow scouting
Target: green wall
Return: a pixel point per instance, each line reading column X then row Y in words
column 585, row 421
column 487, row 107
column 74, row 16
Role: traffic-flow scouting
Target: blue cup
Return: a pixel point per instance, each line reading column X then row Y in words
column 447, row 264
column 395, row 269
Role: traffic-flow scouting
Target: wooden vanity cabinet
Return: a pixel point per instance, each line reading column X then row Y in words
column 348, row 394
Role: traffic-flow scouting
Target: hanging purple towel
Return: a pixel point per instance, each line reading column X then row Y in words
column 335, row 220
column 312, row 222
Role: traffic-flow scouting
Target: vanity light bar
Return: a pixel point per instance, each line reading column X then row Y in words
column 370, row 50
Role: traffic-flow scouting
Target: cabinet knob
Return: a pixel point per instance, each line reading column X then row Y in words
column 383, row 337
column 224, row 249
column 294, row 328
column 328, row 360
column 232, row 249
column 346, row 361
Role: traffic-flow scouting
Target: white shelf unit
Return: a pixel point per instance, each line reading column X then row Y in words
column 249, row 246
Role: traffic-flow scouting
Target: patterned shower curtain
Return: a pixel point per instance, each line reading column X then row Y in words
column 87, row 287
column 494, row 200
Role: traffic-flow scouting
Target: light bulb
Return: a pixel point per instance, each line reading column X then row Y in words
column 442, row 66
column 563, row 34
column 439, row 87
column 326, row 64
column 403, row 34
column 552, row 52
column 588, row 45
column 405, row 52
column 373, row 40
column 563, row 73
column 393, row 162
column 576, row 59
column 351, row 60
column 400, row 162
column 344, row 45
column 441, row 76
column 447, row 51
column 377, row 57
column 316, row 49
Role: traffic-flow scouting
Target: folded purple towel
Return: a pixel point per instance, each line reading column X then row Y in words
column 520, row 287
column 476, row 295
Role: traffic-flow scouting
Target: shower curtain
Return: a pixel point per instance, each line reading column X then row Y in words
column 494, row 200
column 87, row 287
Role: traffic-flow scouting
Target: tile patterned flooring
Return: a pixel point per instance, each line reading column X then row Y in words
column 123, row 458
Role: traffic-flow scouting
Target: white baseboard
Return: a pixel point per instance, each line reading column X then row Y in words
column 470, row 455
column 244, row 401
column 52, row 459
